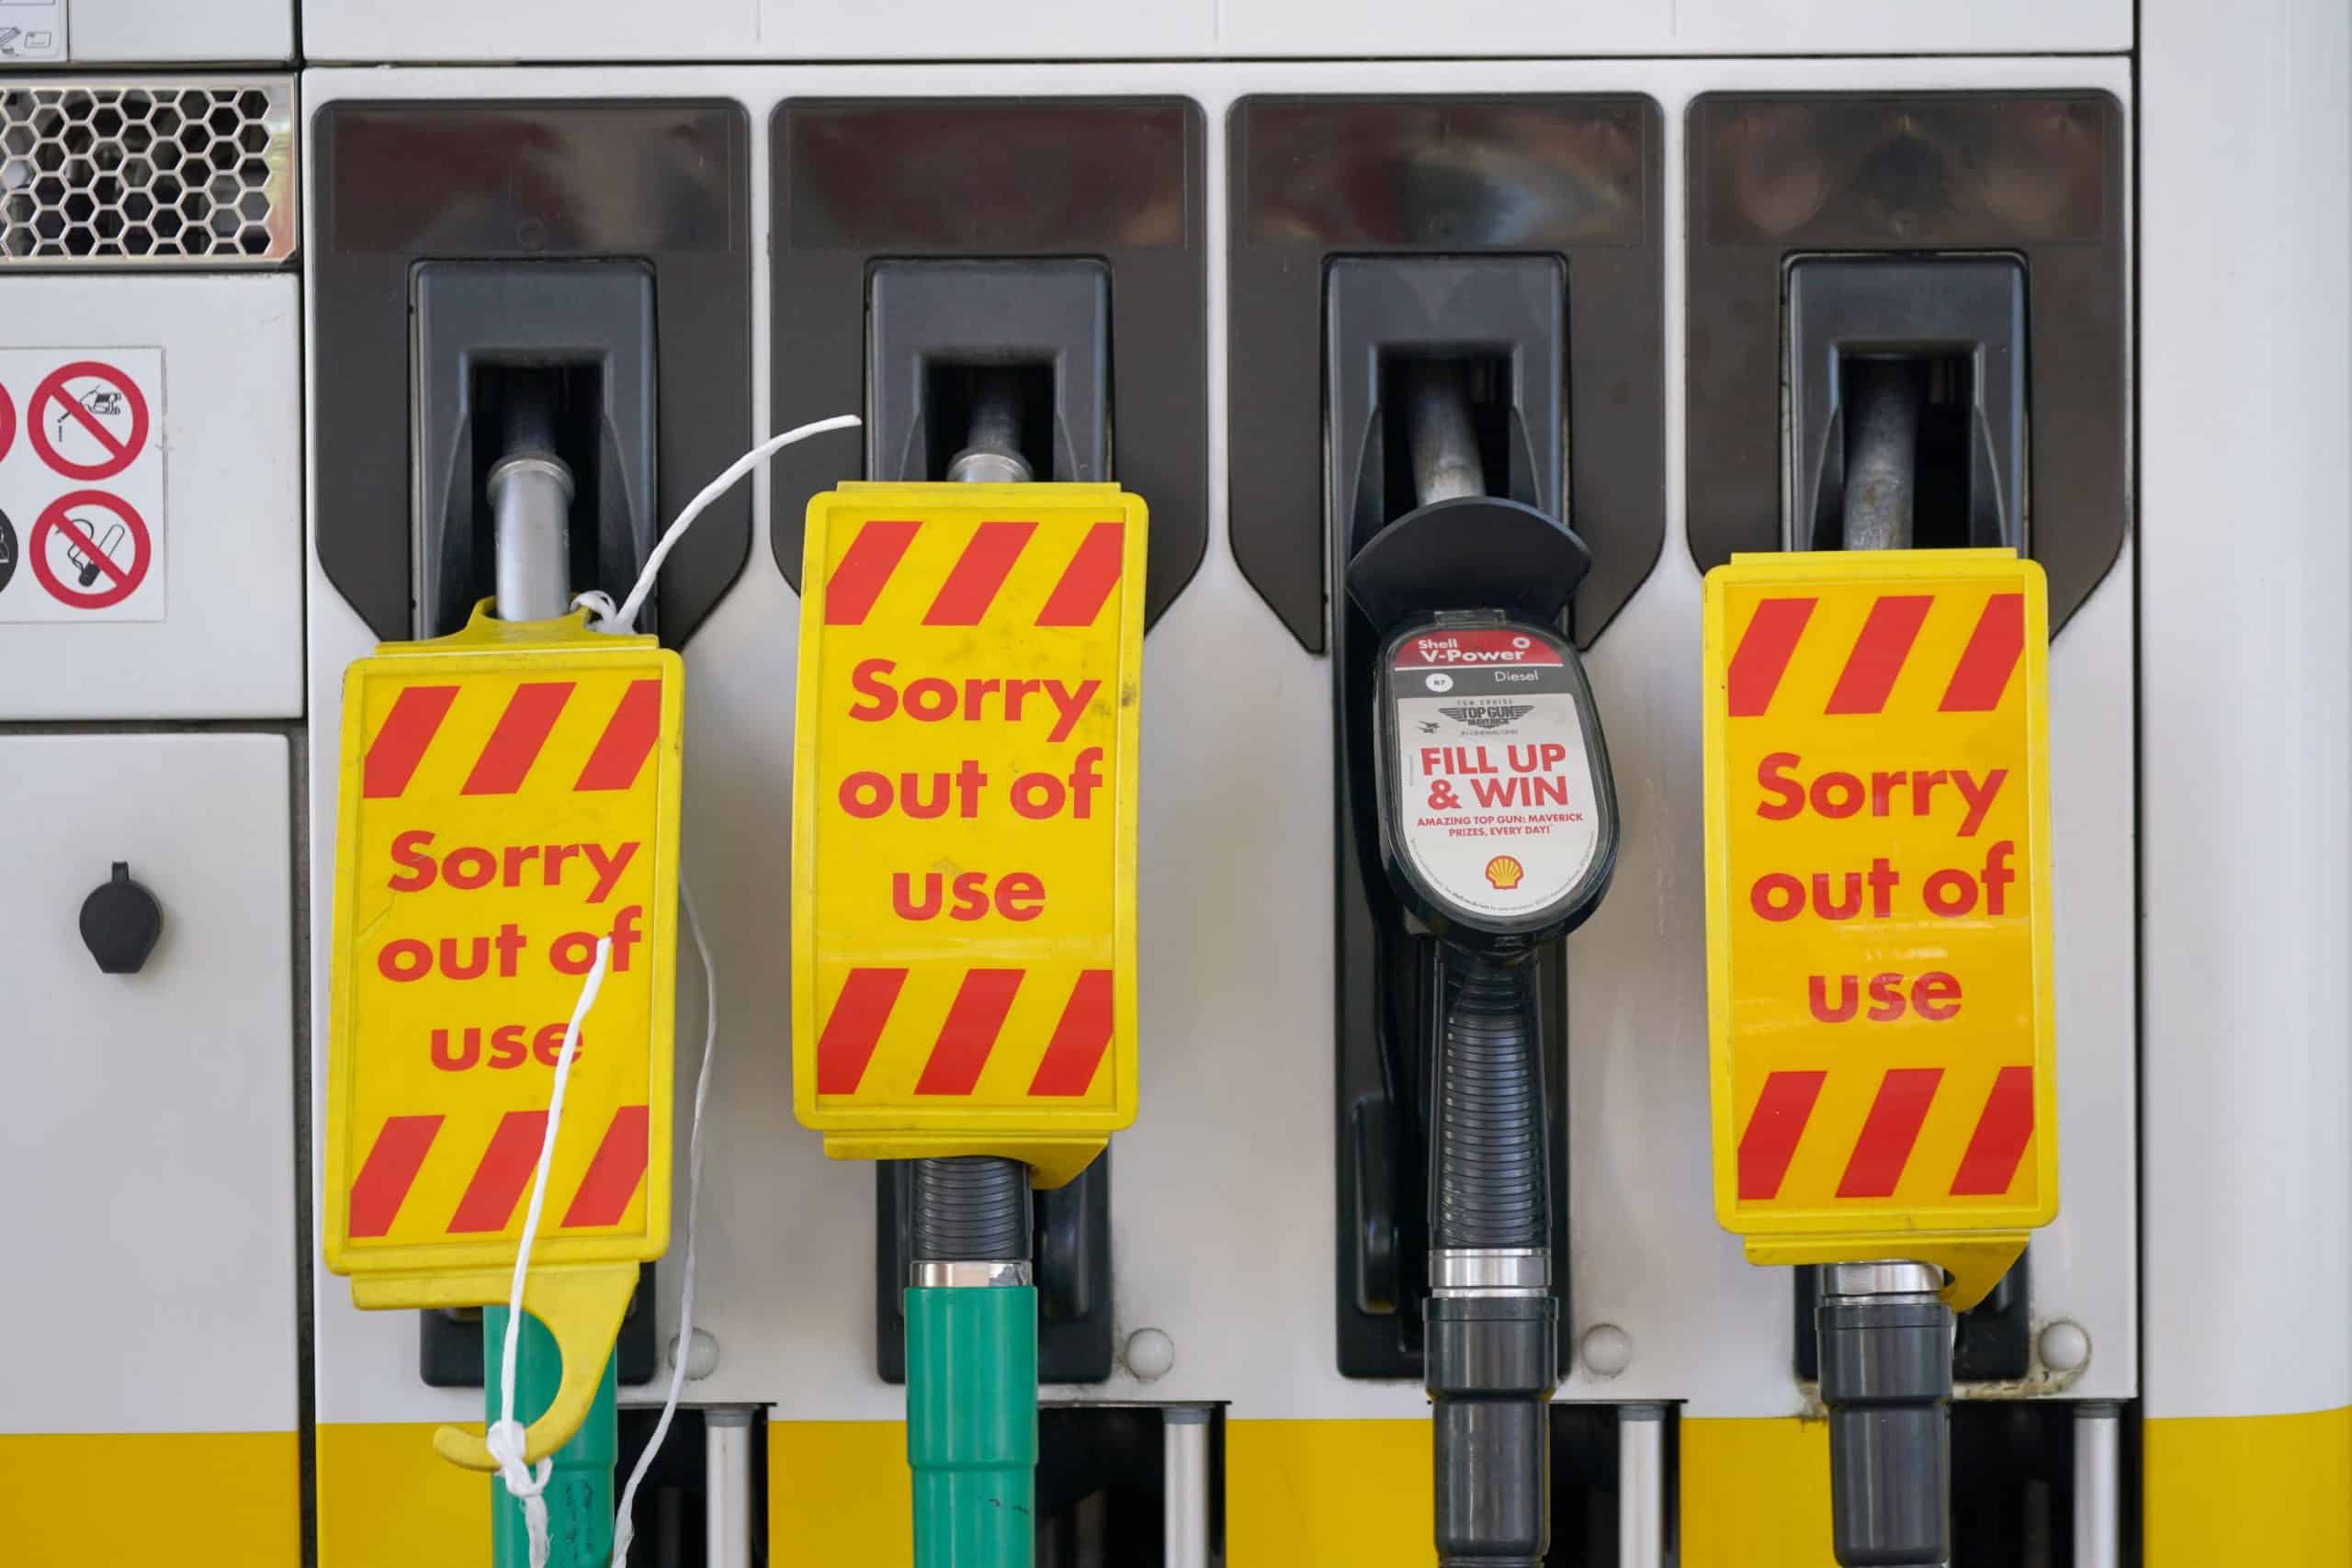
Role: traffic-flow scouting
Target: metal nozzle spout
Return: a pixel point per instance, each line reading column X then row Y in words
column 530, row 499
column 1883, row 399
column 1445, row 443
column 992, row 453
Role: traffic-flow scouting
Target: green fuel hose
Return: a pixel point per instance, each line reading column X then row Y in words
column 972, row 1365
column 972, row 1425
column 580, row 1488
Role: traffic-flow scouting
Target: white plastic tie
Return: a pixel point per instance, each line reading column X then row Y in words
column 505, row 1442
column 622, row 618
column 504, row 1439
column 622, row 1531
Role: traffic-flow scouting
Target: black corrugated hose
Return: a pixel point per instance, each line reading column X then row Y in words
column 970, row 1208
column 1491, row 1189
column 1492, row 1359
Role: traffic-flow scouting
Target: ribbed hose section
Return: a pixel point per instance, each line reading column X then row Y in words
column 970, row 1208
column 1491, row 1358
column 1491, row 1187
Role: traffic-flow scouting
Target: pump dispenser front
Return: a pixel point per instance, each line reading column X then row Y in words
column 1877, row 719
column 1447, row 452
column 1495, row 816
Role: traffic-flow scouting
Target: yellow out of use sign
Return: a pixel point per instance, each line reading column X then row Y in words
column 1878, row 907
column 964, row 833
column 508, row 797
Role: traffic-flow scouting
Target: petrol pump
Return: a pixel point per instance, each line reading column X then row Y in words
column 299, row 296
column 508, row 851
column 964, row 841
column 1497, row 821
column 505, row 856
column 1460, row 285
column 1878, row 815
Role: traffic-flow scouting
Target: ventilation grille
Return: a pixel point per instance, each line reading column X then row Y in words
column 147, row 174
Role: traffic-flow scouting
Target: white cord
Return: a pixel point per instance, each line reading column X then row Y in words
column 505, row 1437
column 683, row 1347
column 624, row 619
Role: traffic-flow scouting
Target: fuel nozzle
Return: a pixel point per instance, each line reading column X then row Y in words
column 1497, row 828
column 971, row 1215
column 970, row 1302
column 1886, row 1377
column 1884, row 1332
column 1493, row 1325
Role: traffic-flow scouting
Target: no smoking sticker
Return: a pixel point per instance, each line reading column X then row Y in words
column 82, row 477
column 91, row 550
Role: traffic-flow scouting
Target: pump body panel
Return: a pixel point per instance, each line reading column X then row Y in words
column 2158, row 191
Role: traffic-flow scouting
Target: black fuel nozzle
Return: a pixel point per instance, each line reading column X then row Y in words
column 1499, row 832
column 1885, row 1336
column 1886, row 1378
column 1493, row 1325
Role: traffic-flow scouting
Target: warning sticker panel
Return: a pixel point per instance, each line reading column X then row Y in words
column 1498, row 795
column 965, row 835
column 80, row 484
column 1878, row 857
column 500, row 812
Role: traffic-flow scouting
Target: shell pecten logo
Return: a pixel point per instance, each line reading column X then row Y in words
column 1504, row 873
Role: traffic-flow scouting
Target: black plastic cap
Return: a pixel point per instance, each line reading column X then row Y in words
column 121, row 921
column 1472, row 552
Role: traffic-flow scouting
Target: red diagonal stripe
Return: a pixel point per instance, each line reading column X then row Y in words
column 980, row 572
column 1087, row 582
column 1879, row 652
column 1762, row 657
column 1889, row 1130
column 864, row 570
column 1770, row 1140
column 506, row 1169
column 1992, row 652
column 514, row 745
column 628, row 740
column 855, row 1028
column 389, row 1171
column 1079, row 1039
column 400, row 746
column 969, row 1033
column 2001, row 1135
column 613, row 1172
